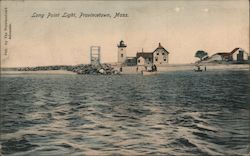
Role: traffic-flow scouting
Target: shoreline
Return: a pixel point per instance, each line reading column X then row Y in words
column 132, row 69
column 42, row 72
column 191, row 67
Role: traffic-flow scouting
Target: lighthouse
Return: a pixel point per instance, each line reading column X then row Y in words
column 122, row 55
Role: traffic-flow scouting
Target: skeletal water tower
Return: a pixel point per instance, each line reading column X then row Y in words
column 95, row 55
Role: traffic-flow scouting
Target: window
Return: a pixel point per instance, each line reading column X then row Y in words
column 163, row 53
column 121, row 55
column 156, row 59
column 157, row 54
column 165, row 59
column 138, row 61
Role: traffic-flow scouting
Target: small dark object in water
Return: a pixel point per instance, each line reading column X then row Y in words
column 198, row 70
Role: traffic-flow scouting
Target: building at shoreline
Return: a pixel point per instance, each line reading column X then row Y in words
column 158, row 57
column 144, row 58
column 237, row 55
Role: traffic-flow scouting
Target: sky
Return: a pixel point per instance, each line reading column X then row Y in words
column 182, row 27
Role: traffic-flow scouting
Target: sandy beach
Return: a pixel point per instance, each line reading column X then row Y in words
column 208, row 67
column 188, row 67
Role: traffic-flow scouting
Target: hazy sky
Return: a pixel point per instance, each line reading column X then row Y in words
column 182, row 27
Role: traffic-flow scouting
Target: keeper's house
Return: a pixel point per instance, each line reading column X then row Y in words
column 158, row 57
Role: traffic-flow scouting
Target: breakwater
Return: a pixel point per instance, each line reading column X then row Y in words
column 104, row 69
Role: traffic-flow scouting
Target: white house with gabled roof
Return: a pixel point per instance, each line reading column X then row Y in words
column 158, row 57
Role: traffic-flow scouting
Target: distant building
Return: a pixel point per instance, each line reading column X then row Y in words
column 239, row 55
column 144, row 58
column 131, row 61
column 236, row 55
column 222, row 56
column 158, row 57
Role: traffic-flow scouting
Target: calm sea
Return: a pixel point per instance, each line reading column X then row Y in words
column 177, row 113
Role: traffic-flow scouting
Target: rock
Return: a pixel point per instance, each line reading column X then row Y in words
column 116, row 72
column 102, row 71
column 106, row 69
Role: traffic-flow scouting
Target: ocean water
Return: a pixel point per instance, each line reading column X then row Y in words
column 177, row 113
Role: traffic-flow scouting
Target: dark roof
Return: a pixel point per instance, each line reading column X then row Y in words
column 227, row 53
column 160, row 47
column 144, row 54
column 223, row 54
column 150, row 54
column 122, row 44
column 131, row 58
column 233, row 51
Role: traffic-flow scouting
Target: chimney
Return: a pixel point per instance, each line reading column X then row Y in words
column 160, row 45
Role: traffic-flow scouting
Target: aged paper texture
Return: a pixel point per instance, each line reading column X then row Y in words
column 124, row 77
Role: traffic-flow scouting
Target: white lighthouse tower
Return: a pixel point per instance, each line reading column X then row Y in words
column 122, row 55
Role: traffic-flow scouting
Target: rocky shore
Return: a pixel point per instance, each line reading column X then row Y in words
column 101, row 69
